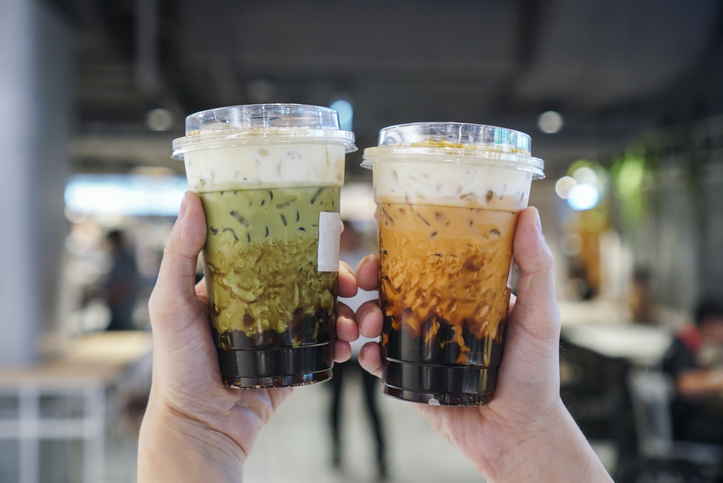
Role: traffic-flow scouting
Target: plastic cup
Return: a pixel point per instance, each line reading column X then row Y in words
column 269, row 177
column 448, row 196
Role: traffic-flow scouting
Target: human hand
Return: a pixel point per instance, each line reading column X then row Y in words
column 525, row 433
column 196, row 429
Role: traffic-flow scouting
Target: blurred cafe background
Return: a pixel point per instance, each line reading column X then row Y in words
column 623, row 100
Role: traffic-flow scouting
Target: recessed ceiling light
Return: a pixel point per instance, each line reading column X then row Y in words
column 550, row 122
column 159, row 119
column 564, row 185
column 346, row 113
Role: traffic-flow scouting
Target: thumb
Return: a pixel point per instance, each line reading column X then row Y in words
column 174, row 293
column 536, row 304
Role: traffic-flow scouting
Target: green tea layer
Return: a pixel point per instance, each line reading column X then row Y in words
column 261, row 260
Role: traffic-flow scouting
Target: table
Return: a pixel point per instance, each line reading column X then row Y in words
column 640, row 344
column 604, row 327
column 92, row 365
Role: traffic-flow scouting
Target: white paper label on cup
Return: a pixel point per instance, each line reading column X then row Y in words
column 329, row 235
column 511, row 274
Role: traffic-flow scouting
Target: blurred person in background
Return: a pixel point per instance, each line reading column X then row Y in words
column 352, row 252
column 695, row 361
column 580, row 287
column 120, row 287
column 640, row 299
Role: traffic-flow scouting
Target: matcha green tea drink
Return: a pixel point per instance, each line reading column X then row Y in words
column 269, row 178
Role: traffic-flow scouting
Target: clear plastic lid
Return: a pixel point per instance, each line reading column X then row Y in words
column 476, row 143
column 260, row 123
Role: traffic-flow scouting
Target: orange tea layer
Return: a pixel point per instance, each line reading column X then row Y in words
column 261, row 260
column 443, row 276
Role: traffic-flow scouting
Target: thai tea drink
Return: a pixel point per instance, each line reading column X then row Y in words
column 448, row 196
column 269, row 178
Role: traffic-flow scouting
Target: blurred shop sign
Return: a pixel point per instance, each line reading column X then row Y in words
column 116, row 194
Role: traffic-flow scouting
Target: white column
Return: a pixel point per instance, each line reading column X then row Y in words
column 35, row 93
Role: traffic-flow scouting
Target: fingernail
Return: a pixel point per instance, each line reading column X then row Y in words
column 538, row 222
column 367, row 259
column 363, row 351
column 182, row 209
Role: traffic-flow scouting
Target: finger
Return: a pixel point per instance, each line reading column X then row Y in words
column 342, row 351
column 369, row 318
column 367, row 273
column 536, row 301
column 347, row 281
column 201, row 291
column 175, row 287
column 370, row 358
column 346, row 328
column 201, row 286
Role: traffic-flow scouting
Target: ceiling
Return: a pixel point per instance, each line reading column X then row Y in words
column 612, row 68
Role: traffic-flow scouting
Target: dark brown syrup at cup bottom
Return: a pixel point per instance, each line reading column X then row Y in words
column 302, row 354
column 426, row 367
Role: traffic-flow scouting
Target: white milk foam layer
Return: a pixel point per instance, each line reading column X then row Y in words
column 428, row 181
column 253, row 166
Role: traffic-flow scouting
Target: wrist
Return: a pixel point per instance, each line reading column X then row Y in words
column 174, row 447
column 557, row 451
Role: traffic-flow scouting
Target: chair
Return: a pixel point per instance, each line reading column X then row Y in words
column 651, row 392
column 593, row 390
